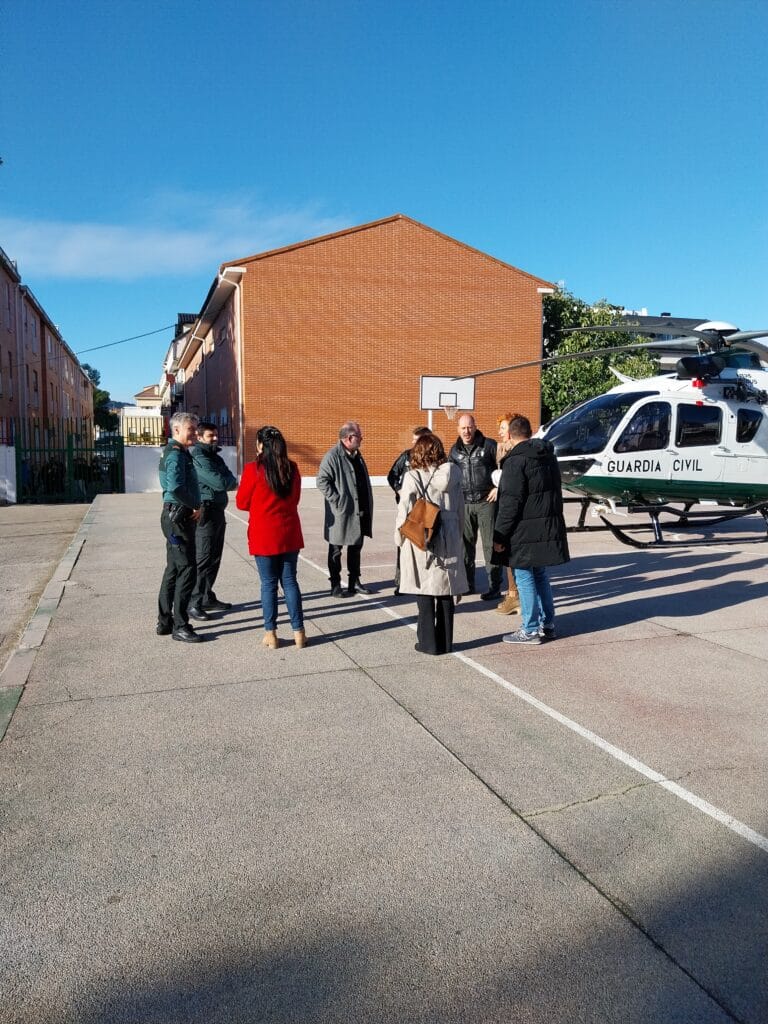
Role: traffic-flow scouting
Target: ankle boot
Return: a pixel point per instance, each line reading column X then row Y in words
column 510, row 604
column 270, row 639
column 300, row 638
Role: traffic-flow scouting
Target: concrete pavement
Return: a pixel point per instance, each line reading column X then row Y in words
column 355, row 832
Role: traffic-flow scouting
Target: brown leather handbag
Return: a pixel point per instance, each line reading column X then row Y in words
column 422, row 523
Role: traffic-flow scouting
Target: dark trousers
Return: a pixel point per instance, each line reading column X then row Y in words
column 209, row 544
column 179, row 576
column 434, row 627
column 479, row 517
column 353, row 562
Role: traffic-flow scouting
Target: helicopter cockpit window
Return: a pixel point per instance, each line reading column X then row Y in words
column 698, row 425
column 747, row 422
column 588, row 428
column 648, row 430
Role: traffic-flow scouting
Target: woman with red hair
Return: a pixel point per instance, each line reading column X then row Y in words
column 511, row 603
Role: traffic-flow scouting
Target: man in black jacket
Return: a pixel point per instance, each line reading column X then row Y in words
column 475, row 455
column 530, row 529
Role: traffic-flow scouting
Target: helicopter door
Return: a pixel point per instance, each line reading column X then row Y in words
column 698, row 438
column 746, row 460
column 644, row 442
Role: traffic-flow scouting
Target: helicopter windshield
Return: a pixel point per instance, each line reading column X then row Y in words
column 587, row 428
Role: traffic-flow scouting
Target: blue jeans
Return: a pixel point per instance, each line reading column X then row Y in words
column 274, row 569
column 537, row 607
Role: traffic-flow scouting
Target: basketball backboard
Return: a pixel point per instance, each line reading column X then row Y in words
column 442, row 392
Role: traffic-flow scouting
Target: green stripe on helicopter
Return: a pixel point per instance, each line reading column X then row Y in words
column 647, row 490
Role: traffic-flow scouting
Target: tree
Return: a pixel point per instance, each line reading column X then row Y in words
column 102, row 417
column 572, row 381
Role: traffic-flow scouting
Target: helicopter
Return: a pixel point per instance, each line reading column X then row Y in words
column 696, row 435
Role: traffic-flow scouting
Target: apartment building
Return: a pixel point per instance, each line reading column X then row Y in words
column 40, row 376
column 343, row 326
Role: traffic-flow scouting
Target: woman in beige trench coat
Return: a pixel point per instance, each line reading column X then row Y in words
column 436, row 577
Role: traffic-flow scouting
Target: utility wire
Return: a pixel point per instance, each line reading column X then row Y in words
column 122, row 341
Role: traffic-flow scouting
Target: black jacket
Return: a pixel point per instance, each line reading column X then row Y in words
column 476, row 463
column 529, row 517
column 397, row 473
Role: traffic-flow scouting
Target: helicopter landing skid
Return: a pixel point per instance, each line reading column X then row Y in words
column 688, row 519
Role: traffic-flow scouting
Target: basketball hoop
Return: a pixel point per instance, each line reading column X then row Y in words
column 450, row 411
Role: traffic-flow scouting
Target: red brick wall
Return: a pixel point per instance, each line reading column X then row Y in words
column 344, row 327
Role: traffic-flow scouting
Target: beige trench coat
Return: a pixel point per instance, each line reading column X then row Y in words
column 440, row 573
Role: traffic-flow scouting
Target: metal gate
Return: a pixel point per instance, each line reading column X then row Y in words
column 63, row 461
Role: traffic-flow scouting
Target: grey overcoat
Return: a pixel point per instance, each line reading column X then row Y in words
column 442, row 573
column 336, row 481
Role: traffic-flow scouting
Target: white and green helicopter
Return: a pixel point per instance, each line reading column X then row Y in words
column 695, row 436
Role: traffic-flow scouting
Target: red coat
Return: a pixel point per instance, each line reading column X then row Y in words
column 274, row 527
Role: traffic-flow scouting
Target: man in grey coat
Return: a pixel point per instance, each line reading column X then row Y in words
column 346, row 486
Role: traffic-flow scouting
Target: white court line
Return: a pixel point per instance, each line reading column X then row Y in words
column 704, row 806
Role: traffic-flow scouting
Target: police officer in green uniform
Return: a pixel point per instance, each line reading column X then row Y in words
column 181, row 510
column 215, row 479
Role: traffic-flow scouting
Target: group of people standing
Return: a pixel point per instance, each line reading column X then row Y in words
column 507, row 494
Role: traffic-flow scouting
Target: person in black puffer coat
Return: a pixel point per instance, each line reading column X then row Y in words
column 530, row 528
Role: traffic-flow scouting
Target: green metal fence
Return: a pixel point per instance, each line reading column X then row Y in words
column 63, row 461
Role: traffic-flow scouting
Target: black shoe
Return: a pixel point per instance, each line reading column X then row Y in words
column 195, row 612
column 187, row 634
column 217, row 606
column 338, row 592
column 164, row 629
column 357, row 587
column 491, row 595
column 397, row 591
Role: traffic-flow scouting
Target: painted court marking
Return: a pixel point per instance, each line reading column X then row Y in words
column 742, row 830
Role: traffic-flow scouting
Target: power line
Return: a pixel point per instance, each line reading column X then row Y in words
column 135, row 337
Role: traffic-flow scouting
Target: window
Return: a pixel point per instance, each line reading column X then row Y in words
column 10, row 374
column 8, row 323
column 747, row 423
column 698, row 425
column 223, row 418
column 648, row 430
column 1, row 373
column 588, row 427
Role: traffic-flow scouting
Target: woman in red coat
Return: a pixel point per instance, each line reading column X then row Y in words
column 270, row 489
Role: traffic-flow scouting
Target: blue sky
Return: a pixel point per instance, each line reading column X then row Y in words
column 620, row 147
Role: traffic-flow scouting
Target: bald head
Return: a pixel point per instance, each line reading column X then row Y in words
column 467, row 428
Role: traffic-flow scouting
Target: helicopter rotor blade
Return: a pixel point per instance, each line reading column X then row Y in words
column 745, row 336
column 686, row 333
column 588, row 354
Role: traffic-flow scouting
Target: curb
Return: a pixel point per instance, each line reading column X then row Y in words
column 16, row 671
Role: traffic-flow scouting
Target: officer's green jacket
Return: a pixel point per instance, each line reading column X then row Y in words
column 213, row 474
column 177, row 476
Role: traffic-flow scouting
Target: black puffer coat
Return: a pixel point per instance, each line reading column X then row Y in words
column 529, row 519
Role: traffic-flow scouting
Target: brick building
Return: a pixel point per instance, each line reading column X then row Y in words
column 343, row 326
column 40, row 376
